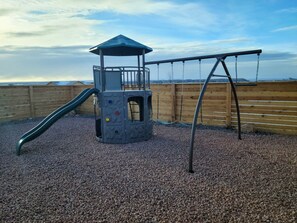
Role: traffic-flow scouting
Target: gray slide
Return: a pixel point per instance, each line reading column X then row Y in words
column 53, row 117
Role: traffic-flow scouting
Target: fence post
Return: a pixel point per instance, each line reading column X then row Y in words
column 228, row 105
column 173, row 102
column 31, row 101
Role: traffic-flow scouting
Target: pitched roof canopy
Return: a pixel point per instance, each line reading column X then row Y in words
column 120, row 46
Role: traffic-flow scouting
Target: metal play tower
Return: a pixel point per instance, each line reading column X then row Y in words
column 124, row 99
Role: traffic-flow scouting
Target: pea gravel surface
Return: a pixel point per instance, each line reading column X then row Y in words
column 66, row 175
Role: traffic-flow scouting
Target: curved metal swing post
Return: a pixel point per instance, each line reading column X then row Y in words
column 235, row 96
column 198, row 105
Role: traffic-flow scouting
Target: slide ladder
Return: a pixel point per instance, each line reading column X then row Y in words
column 53, row 117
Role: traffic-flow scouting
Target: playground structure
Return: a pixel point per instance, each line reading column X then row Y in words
column 124, row 98
column 122, row 93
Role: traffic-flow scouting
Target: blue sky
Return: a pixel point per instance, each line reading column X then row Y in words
column 49, row 40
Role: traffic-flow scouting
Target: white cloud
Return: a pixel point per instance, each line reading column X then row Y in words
column 286, row 28
column 54, row 22
column 54, row 26
column 288, row 10
column 192, row 15
column 194, row 48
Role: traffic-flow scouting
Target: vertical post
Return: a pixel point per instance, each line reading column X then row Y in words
column 138, row 75
column 123, row 79
column 149, row 79
column 173, row 102
column 198, row 105
column 228, row 105
column 102, row 73
column 99, row 122
column 143, row 68
column 31, row 101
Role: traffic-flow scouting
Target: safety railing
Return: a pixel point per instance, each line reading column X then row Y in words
column 129, row 77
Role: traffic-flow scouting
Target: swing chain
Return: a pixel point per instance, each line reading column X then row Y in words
column 158, row 91
column 200, row 73
column 200, row 84
column 258, row 63
column 182, row 94
column 183, row 77
column 236, row 74
column 158, row 72
column 183, row 70
column 171, row 73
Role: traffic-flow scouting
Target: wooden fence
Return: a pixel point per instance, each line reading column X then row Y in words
column 268, row 107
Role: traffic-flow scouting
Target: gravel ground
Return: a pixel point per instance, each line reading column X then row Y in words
column 65, row 175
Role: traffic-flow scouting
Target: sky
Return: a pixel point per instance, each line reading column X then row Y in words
column 50, row 40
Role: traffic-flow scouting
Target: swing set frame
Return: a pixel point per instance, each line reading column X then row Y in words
column 220, row 58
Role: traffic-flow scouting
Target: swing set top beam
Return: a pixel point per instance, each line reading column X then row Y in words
column 222, row 55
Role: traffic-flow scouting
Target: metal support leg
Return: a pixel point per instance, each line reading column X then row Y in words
column 235, row 97
column 198, row 105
